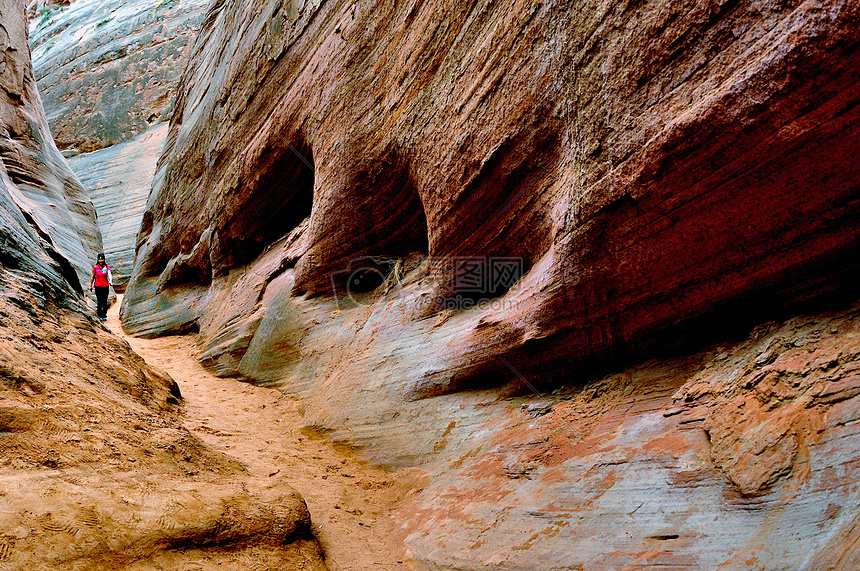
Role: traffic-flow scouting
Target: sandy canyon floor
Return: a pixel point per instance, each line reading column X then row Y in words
column 351, row 503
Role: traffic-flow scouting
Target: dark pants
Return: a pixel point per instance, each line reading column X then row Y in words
column 101, row 297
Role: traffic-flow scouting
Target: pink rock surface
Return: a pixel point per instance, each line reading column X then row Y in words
column 665, row 173
column 97, row 471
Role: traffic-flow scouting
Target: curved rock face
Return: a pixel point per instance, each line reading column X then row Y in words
column 108, row 70
column 380, row 205
column 645, row 167
column 50, row 229
column 96, row 470
column 108, row 73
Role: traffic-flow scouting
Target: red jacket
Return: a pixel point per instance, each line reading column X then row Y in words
column 101, row 276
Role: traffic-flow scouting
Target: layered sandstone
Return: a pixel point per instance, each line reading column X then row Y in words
column 96, row 469
column 657, row 174
column 49, row 227
column 118, row 179
column 649, row 167
column 108, row 70
column 108, row 73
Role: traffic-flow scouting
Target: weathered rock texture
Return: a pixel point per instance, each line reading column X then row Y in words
column 743, row 456
column 650, row 165
column 37, row 8
column 49, row 226
column 108, row 69
column 118, row 179
column 96, row 470
column 108, row 73
column 662, row 171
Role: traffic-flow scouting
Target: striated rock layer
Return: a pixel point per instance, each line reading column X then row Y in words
column 743, row 456
column 108, row 69
column 49, row 227
column 648, row 167
column 96, row 470
column 390, row 208
column 118, row 179
column 108, row 73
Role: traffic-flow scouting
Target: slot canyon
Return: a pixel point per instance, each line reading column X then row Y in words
column 430, row 285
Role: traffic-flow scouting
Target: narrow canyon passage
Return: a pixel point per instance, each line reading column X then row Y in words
column 351, row 503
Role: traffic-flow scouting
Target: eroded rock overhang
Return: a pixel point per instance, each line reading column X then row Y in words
column 650, row 168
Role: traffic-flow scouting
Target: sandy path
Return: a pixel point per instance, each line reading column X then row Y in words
column 350, row 503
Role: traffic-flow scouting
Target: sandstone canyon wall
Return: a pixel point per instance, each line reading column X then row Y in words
column 46, row 205
column 634, row 178
column 96, row 470
column 108, row 72
column 118, row 179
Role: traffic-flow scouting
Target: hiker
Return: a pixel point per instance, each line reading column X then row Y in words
column 101, row 282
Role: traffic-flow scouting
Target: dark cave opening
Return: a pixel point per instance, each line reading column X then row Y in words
column 387, row 224
column 279, row 198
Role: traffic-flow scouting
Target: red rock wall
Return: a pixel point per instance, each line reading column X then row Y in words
column 649, row 164
column 739, row 457
column 96, row 468
column 665, row 172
